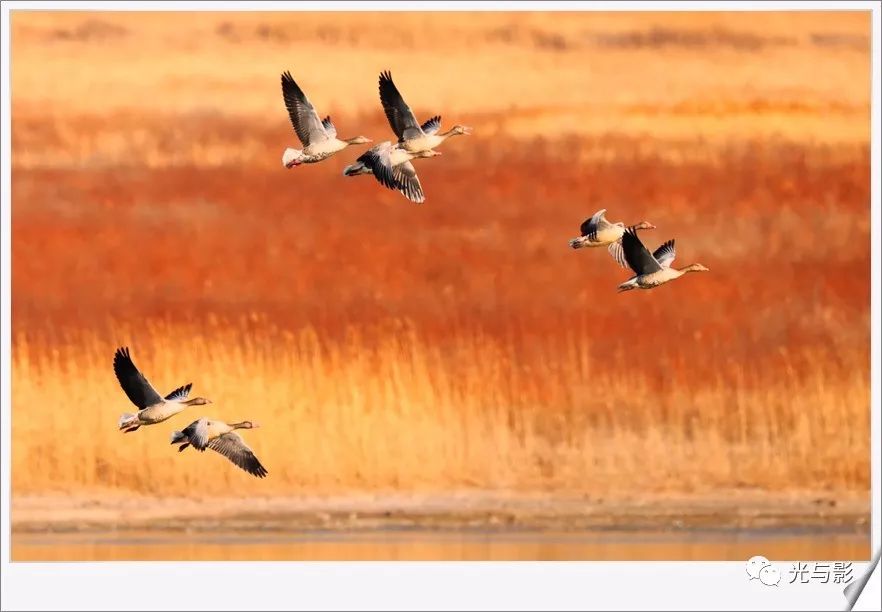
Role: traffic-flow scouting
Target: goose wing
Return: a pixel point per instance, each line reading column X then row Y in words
column 408, row 182
column 400, row 117
column 231, row 446
column 329, row 127
column 380, row 163
column 665, row 254
column 432, row 125
column 618, row 253
column 180, row 393
column 139, row 391
column 305, row 120
column 590, row 226
column 638, row 257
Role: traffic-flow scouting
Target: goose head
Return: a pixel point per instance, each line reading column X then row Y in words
column 696, row 267
column 358, row 140
column 245, row 425
column 461, row 130
column 644, row 225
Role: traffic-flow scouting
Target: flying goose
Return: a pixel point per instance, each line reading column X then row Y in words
column 319, row 136
column 390, row 165
column 222, row 438
column 412, row 136
column 152, row 407
column 597, row 232
column 359, row 168
column 651, row 269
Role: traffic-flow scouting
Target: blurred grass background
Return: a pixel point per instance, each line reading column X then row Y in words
column 461, row 343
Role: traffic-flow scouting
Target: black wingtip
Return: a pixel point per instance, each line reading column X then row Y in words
column 630, row 240
column 367, row 158
column 287, row 81
column 183, row 390
column 632, row 235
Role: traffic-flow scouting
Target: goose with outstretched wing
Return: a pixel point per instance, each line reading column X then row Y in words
column 597, row 231
column 152, row 407
column 391, row 166
column 651, row 269
column 223, row 439
column 412, row 136
column 318, row 136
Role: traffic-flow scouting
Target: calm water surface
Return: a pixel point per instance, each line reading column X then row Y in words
column 414, row 545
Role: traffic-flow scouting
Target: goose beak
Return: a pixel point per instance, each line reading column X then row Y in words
column 466, row 130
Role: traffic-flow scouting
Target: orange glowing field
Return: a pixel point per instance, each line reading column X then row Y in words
column 459, row 344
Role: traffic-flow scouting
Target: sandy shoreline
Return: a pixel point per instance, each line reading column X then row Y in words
column 735, row 510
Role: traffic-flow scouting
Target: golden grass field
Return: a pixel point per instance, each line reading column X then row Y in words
column 460, row 344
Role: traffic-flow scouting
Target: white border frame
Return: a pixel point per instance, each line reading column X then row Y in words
column 400, row 586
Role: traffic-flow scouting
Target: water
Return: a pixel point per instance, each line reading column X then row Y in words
column 428, row 545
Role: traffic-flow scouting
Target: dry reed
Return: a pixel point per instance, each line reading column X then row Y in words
column 405, row 413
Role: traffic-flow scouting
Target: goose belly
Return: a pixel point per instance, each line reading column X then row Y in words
column 217, row 429
column 423, row 143
column 398, row 157
column 159, row 413
column 607, row 236
column 322, row 150
column 654, row 279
